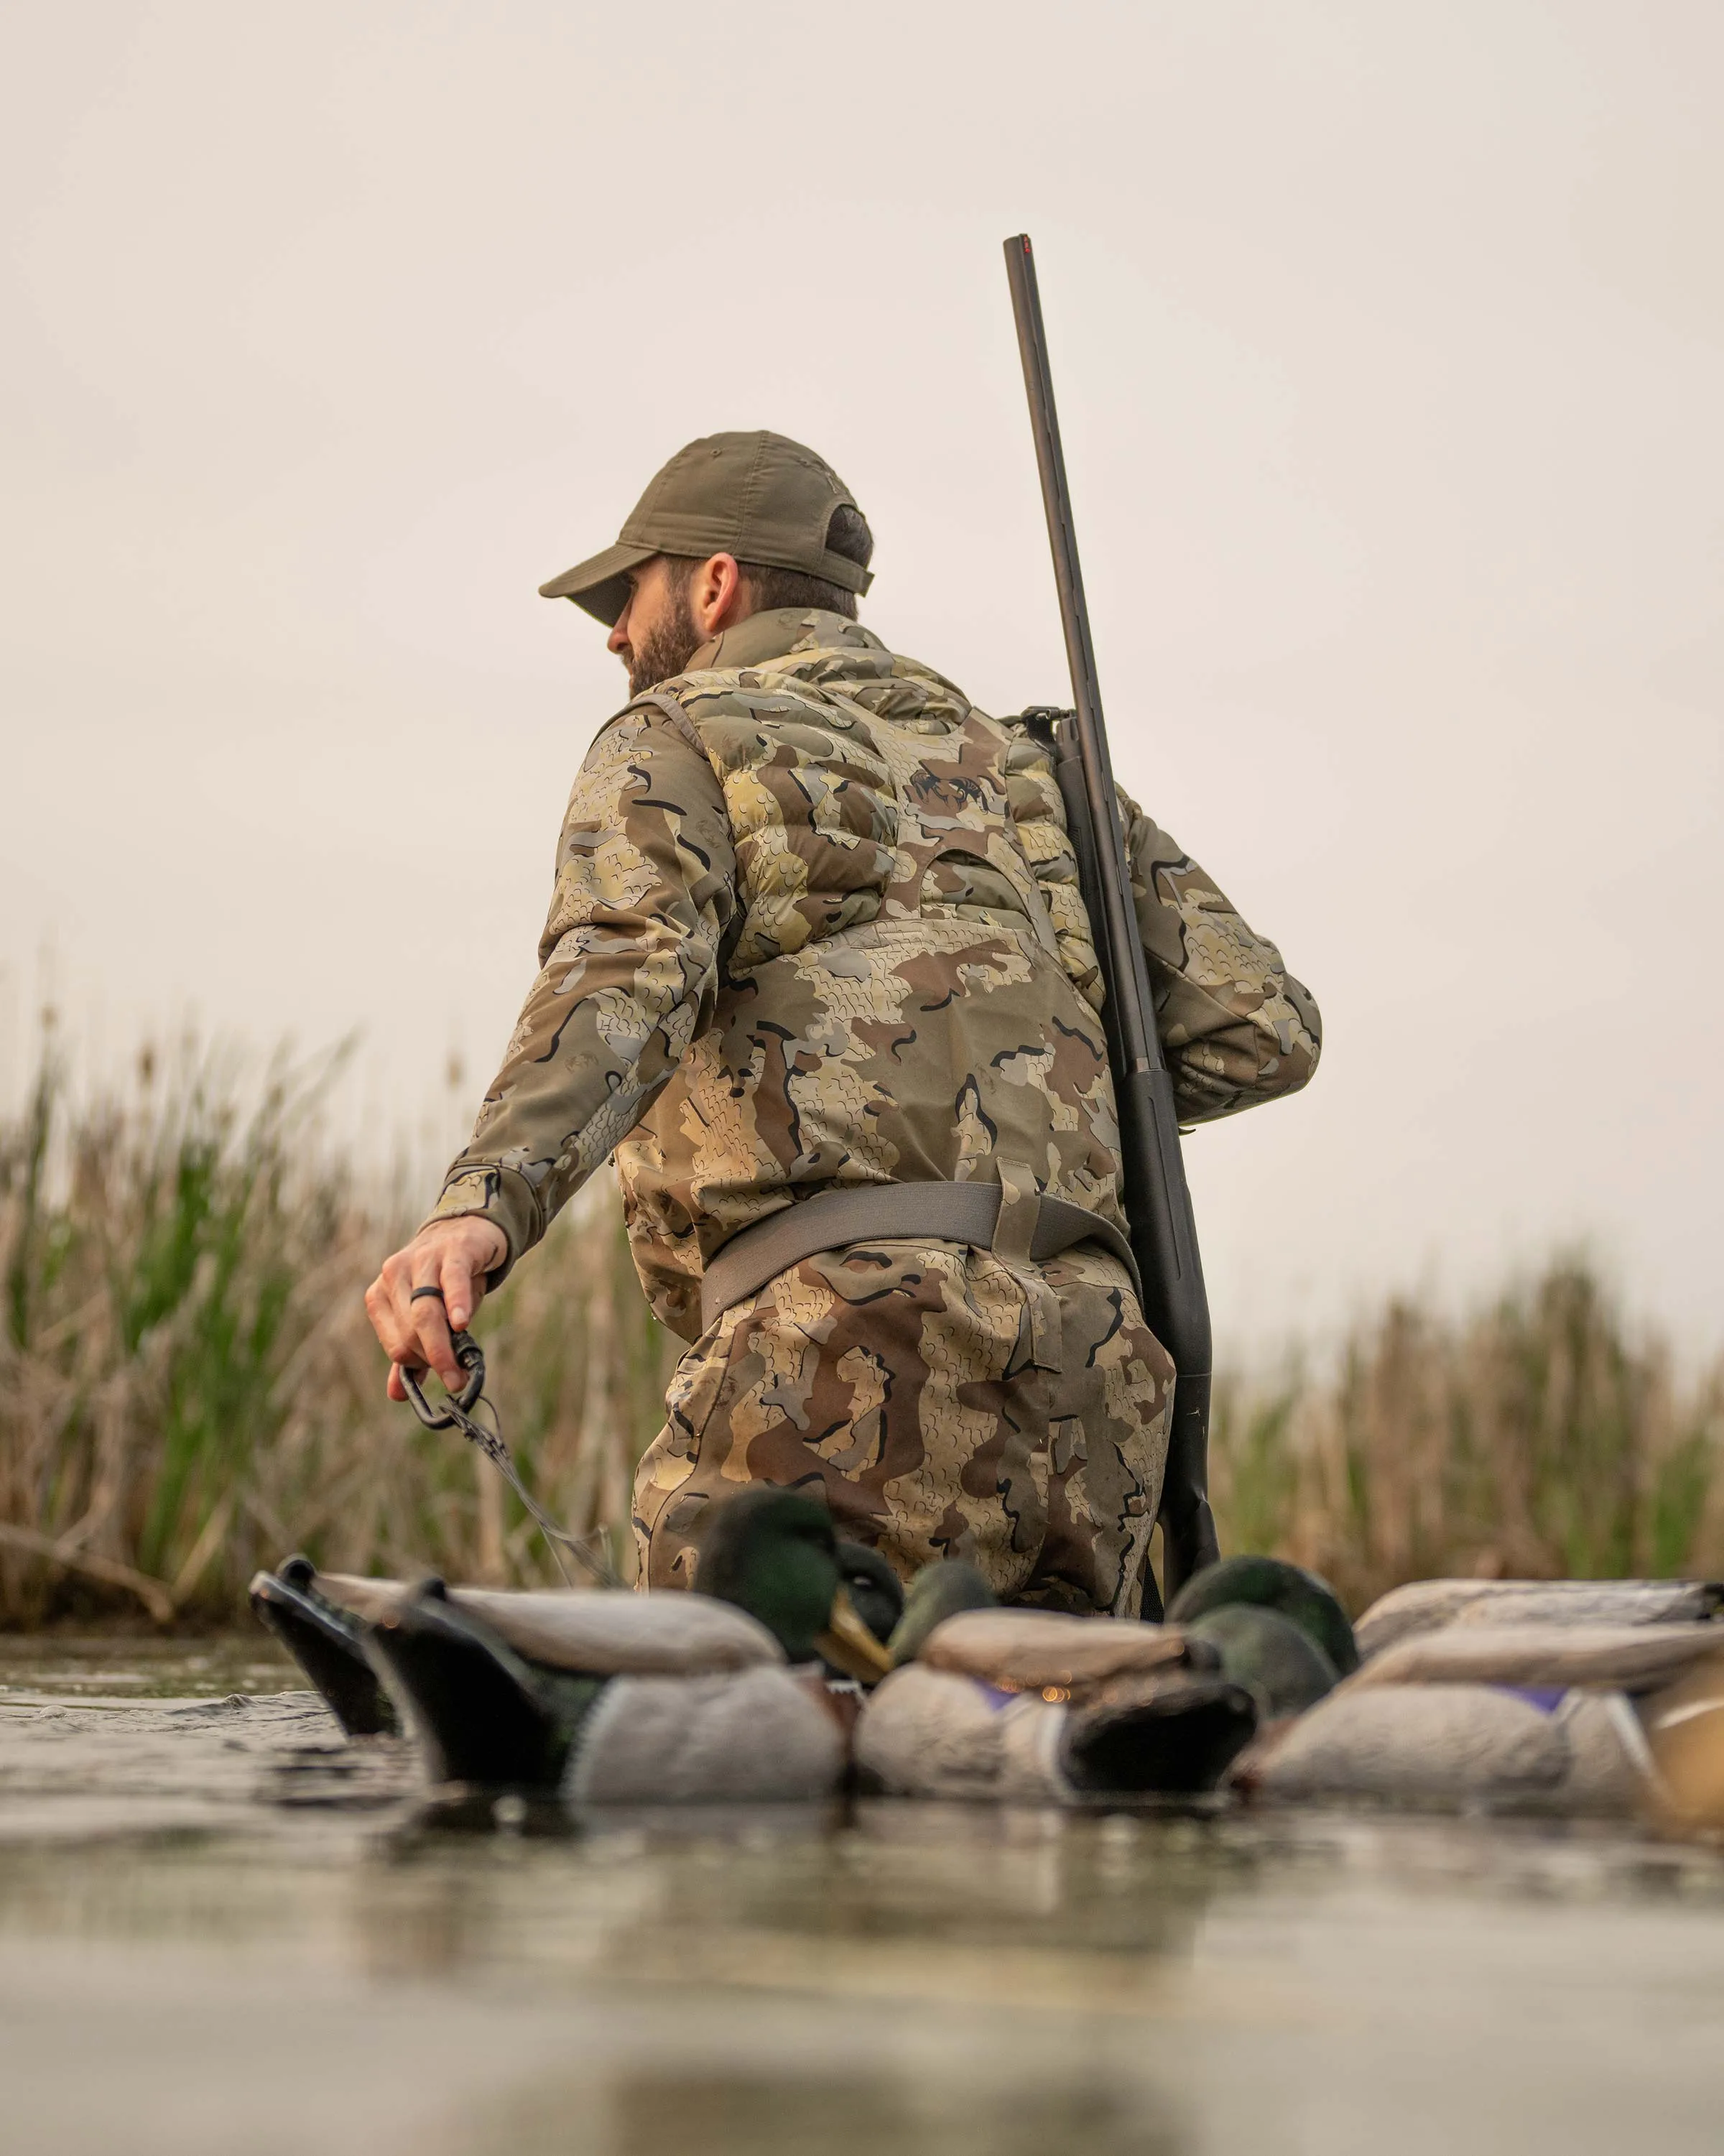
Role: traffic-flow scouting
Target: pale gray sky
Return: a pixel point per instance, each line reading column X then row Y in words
column 1387, row 341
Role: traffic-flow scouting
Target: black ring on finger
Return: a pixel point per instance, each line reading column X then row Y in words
column 418, row 1291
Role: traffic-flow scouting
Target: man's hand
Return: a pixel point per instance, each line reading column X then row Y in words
column 454, row 1256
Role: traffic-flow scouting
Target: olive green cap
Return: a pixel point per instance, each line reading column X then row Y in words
column 756, row 495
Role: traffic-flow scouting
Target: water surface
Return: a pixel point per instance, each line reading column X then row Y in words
column 220, row 1928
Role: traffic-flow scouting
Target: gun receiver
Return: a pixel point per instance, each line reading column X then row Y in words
column 1158, row 1202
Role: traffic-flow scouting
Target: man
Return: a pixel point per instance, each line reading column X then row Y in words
column 817, row 942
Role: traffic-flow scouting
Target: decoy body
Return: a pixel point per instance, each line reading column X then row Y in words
column 1558, row 1697
column 714, row 1696
column 1031, row 1706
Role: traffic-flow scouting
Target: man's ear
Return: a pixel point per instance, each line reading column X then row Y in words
column 718, row 597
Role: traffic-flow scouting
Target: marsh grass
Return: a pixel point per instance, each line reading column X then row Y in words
column 188, row 1386
column 189, row 1389
column 1540, row 1436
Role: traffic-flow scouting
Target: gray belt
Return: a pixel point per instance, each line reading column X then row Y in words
column 1041, row 1228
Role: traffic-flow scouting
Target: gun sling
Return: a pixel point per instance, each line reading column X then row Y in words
column 901, row 1212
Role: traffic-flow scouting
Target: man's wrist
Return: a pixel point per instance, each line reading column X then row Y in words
column 485, row 1238
column 502, row 1198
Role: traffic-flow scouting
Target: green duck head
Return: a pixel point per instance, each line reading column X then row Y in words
column 1281, row 1667
column 938, row 1591
column 774, row 1553
column 1270, row 1583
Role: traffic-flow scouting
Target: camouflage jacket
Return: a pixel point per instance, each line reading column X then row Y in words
column 817, row 921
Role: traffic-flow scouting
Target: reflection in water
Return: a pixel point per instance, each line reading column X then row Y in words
column 66, row 1667
column 791, row 2113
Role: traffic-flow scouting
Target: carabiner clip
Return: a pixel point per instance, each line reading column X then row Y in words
column 471, row 1358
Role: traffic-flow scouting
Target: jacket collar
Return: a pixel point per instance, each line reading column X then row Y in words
column 777, row 633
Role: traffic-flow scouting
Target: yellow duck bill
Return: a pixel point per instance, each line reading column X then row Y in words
column 848, row 1645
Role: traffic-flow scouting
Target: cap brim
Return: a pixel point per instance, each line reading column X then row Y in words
column 600, row 587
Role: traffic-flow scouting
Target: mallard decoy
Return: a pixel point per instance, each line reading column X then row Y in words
column 938, row 1591
column 1032, row 1707
column 1282, row 1667
column 1430, row 1605
column 1534, row 1717
column 321, row 1620
column 1459, row 1747
column 617, row 1697
column 1281, row 1631
column 1270, row 1583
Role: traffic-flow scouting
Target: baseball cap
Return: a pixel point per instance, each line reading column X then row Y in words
column 759, row 496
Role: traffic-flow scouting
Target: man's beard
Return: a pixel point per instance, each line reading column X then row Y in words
column 666, row 651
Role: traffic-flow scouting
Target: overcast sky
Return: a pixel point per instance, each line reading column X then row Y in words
column 1387, row 343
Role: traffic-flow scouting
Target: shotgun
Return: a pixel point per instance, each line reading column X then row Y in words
column 1154, row 1190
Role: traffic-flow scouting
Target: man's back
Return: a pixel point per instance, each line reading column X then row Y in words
column 896, row 1001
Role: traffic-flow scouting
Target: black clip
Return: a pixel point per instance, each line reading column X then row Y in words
column 471, row 1358
column 1042, row 721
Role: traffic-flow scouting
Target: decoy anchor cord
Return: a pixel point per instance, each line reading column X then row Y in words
column 456, row 1413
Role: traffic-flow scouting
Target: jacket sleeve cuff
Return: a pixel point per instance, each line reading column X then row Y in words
column 488, row 1191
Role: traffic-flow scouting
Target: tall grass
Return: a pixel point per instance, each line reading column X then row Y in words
column 188, row 1387
column 1538, row 1437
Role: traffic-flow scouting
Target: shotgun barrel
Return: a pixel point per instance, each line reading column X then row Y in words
column 1156, row 1199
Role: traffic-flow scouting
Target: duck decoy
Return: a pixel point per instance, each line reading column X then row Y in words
column 1271, row 1583
column 1551, row 1718
column 943, row 1590
column 1281, row 1631
column 1282, row 1667
column 321, row 1620
column 620, row 1698
column 1035, row 1706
